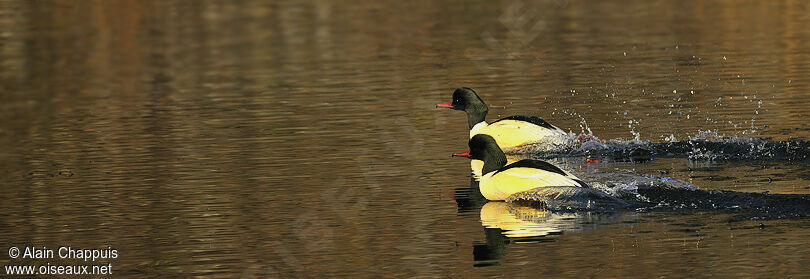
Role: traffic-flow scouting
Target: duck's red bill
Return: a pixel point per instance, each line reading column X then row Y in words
column 444, row 105
column 465, row 154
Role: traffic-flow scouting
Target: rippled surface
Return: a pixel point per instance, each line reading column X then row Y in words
column 254, row 139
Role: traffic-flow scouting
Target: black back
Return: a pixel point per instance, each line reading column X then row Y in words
column 537, row 164
column 531, row 119
column 543, row 165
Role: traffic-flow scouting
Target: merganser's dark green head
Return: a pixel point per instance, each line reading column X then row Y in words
column 484, row 148
column 467, row 100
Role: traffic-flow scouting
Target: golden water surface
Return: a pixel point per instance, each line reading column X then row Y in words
column 253, row 139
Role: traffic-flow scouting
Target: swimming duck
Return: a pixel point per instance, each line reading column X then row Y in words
column 514, row 134
column 499, row 180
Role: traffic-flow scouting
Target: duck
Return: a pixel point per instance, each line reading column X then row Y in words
column 500, row 180
column 517, row 134
column 514, row 134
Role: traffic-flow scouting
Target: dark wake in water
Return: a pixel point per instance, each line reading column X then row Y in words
column 705, row 146
column 611, row 192
column 656, row 193
column 735, row 148
column 755, row 205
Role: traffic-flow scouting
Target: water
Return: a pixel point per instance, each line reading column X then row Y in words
column 299, row 139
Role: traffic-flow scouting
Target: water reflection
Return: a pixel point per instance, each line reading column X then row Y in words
column 522, row 221
column 506, row 223
column 469, row 199
column 298, row 139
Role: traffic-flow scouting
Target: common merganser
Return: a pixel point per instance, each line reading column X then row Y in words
column 514, row 134
column 499, row 180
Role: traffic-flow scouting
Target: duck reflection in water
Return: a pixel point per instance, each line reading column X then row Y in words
column 506, row 223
